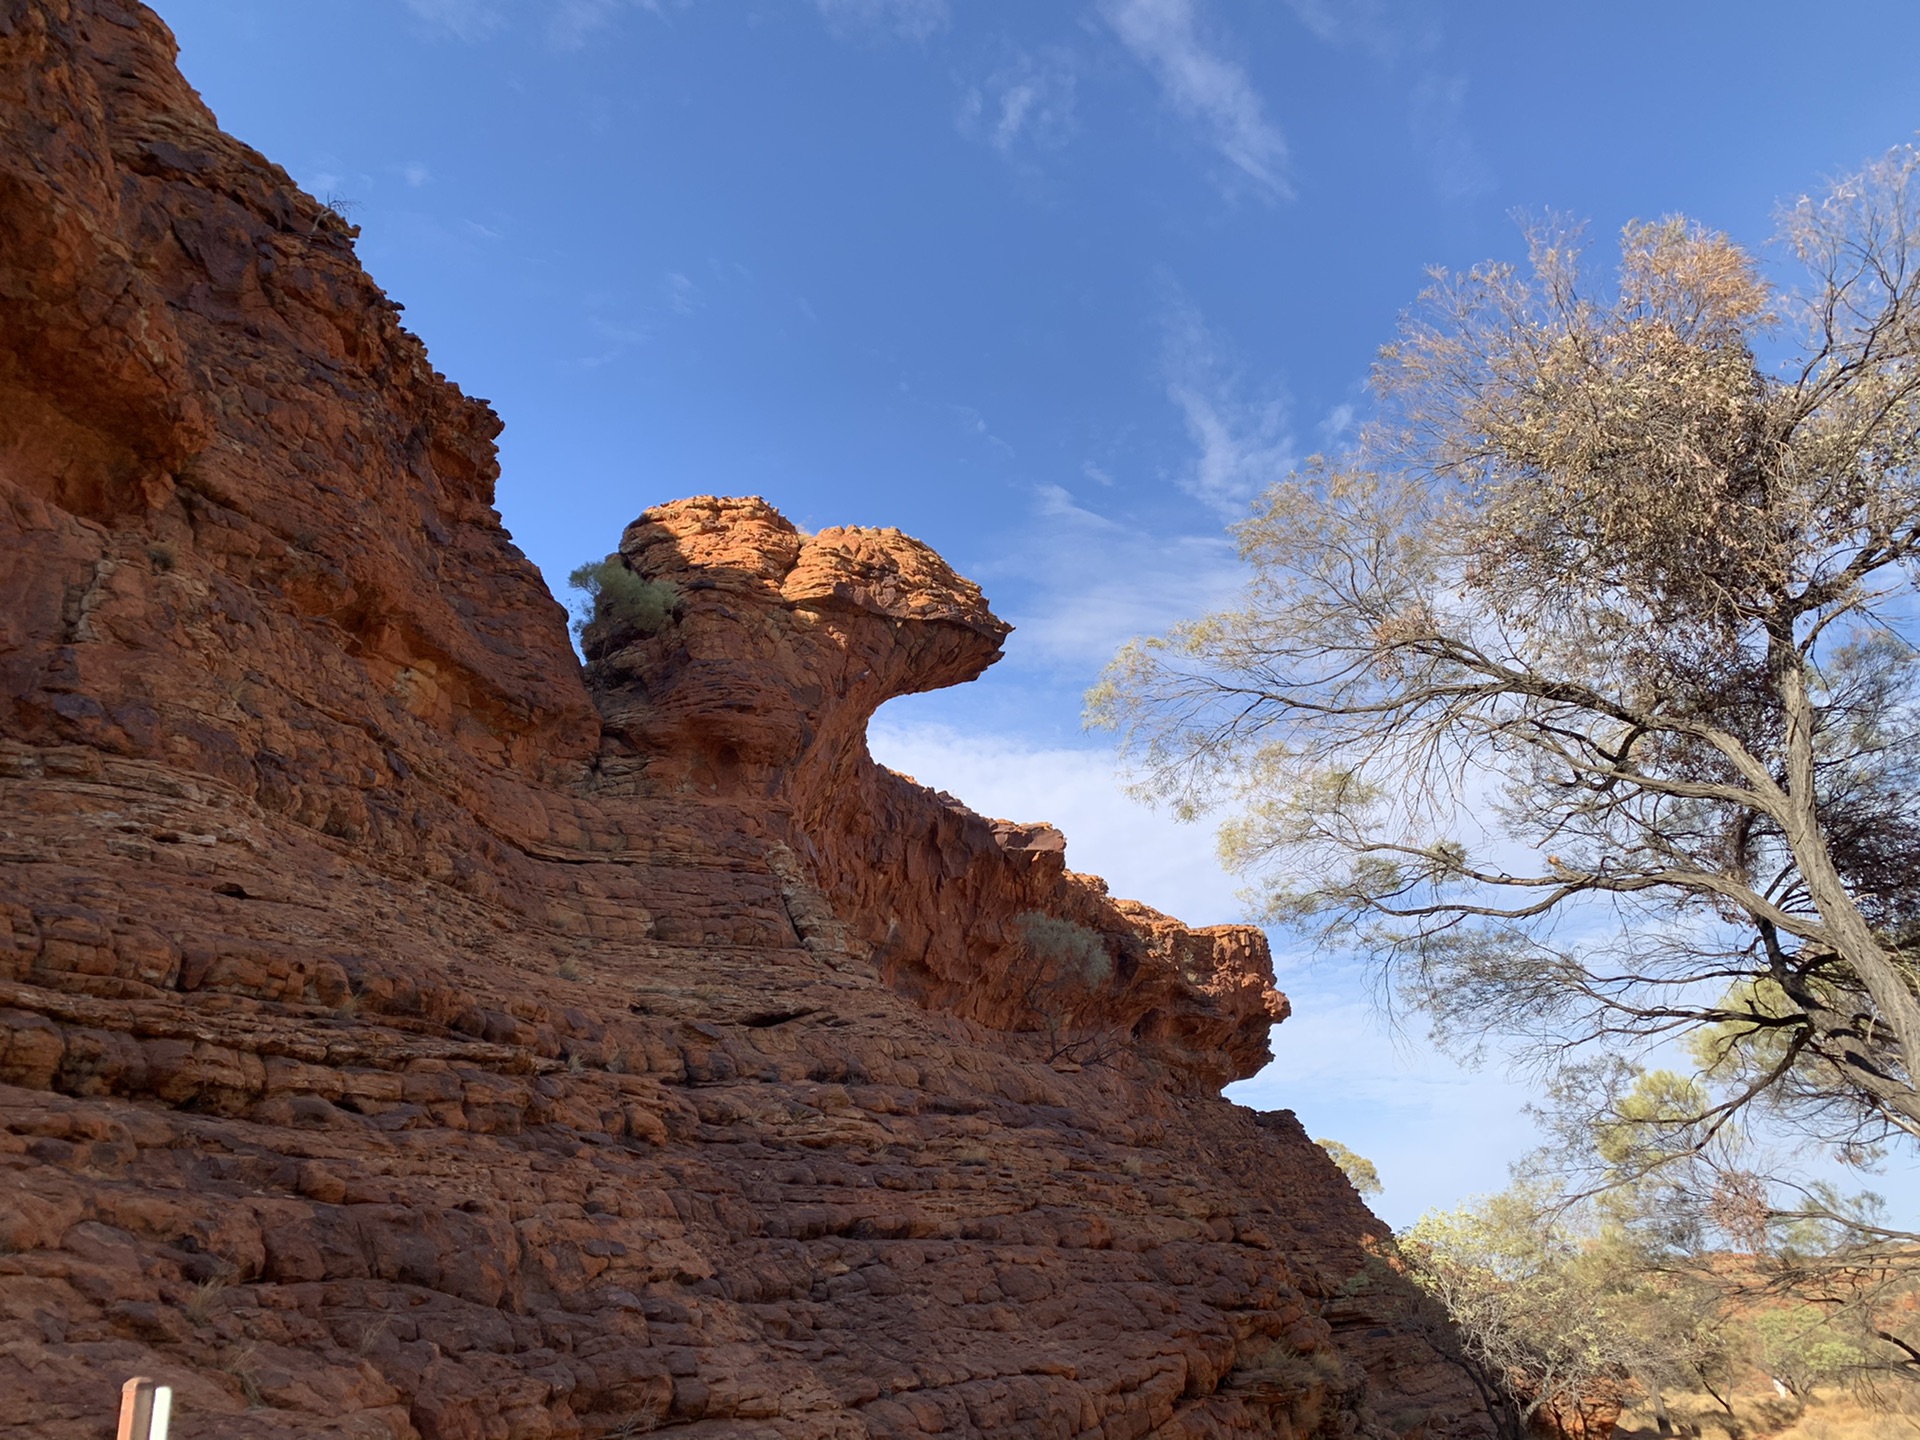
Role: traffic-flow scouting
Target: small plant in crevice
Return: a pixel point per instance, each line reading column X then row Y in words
column 242, row 1365
column 340, row 210
column 199, row 1304
column 1064, row 972
column 619, row 600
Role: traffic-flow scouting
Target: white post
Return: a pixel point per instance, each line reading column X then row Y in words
column 144, row 1409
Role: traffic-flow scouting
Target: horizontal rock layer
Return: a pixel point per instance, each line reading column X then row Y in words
column 404, row 1032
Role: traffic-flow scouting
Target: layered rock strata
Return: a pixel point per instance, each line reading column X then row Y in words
column 404, row 1032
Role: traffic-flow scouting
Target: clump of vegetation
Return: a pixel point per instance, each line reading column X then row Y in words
column 1565, row 1309
column 1063, row 969
column 1579, row 698
column 1075, row 952
column 621, row 600
column 1359, row 1170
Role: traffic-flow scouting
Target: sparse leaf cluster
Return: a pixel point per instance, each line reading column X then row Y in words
column 1568, row 1306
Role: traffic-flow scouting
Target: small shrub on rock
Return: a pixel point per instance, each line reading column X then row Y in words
column 1078, row 953
column 1063, row 968
column 622, row 600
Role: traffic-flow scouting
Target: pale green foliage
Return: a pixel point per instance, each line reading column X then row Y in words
column 1360, row 1171
column 1577, row 694
column 1062, row 970
column 1660, row 1115
column 1801, row 1349
column 621, row 600
column 1532, row 1316
column 1725, row 1266
column 1067, row 949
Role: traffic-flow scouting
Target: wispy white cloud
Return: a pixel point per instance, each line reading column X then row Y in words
column 1142, row 853
column 574, row 22
column 1337, row 424
column 415, row 173
column 1243, row 440
column 616, row 337
column 1368, row 24
column 683, row 297
column 914, row 20
column 1437, row 118
column 1027, row 102
column 1206, row 88
column 1057, row 502
column 1089, row 582
column 1408, row 37
column 569, row 24
column 468, row 20
column 975, row 424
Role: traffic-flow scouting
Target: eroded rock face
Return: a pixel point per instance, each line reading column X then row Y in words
column 403, row 1033
column 781, row 649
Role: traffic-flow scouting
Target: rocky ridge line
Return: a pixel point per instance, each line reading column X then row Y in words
column 404, row 1033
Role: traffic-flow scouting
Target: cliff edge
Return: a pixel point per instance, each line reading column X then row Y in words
column 406, row 1032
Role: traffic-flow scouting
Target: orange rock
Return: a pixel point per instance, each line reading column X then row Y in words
column 406, row 1033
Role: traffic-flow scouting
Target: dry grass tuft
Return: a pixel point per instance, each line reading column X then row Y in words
column 199, row 1305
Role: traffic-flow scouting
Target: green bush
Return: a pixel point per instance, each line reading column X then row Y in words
column 620, row 597
column 1072, row 952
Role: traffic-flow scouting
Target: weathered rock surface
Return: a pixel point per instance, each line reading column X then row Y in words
column 406, row 1033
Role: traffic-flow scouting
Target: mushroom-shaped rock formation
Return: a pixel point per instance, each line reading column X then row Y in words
column 779, row 650
column 782, row 645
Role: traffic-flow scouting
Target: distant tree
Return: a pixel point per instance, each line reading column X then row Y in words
column 1359, row 1170
column 1729, row 1267
column 1545, row 1327
column 1582, row 694
column 1799, row 1349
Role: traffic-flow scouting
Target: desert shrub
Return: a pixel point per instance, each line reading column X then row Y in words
column 1062, row 968
column 1798, row 1348
column 619, row 597
column 1074, row 953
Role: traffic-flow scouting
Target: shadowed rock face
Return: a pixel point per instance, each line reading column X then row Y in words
column 404, row 1033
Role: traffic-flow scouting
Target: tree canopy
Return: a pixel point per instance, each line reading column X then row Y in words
column 1361, row 1172
column 1580, row 693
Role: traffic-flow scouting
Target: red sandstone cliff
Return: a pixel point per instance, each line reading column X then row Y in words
column 403, row 1033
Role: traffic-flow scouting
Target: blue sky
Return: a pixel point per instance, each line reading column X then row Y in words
column 1056, row 287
